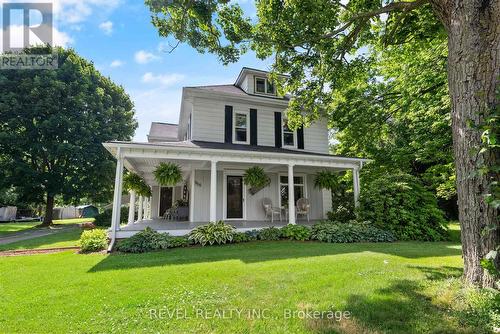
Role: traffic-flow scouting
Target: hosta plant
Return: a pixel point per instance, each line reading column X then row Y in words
column 212, row 233
column 296, row 232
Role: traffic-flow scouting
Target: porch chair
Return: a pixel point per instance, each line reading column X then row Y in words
column 302, row 208
column 270, row 209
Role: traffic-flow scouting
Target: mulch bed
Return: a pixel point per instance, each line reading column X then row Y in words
column 37, row 251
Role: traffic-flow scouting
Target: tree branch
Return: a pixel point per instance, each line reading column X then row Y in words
column 392, row 7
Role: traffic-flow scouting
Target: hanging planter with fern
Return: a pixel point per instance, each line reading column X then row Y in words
column 256, row 179
column 168, row 174
column 133, row 182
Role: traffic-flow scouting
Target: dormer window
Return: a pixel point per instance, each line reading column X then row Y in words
column 241, row 125
column 264, row 86
column 288, row 135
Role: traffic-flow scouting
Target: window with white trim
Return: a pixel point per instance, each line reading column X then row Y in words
column 289, row 136
column 299, row 188
column 241, row 133
column 264, row 86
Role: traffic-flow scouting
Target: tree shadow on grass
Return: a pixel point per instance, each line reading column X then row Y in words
column 253, row 252
column 402, row 307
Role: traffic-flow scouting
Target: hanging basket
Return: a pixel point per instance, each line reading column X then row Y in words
column 134, row 182
column 256, row 179
column 168, row 174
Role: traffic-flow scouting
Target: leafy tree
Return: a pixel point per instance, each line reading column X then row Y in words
column 321, row 43
column 52, row 124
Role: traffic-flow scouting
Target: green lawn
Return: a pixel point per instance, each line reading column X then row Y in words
column 64, row 238
column 8, row 228
column 385, row 287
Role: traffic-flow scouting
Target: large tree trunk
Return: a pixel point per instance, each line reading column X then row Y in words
column 49, row 210
column 473, row 77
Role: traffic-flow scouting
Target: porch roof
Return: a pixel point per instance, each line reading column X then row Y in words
column 142, row 157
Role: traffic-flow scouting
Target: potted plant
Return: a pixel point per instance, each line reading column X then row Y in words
column 256, row 179
column 168, row 174
column 182, row 209
column 134, row 182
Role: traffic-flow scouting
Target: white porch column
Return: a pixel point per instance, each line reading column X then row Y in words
column 131, row 207
column 356, row 186
column 145, row 208
column 117, row 195
column 149, row 207
column 191, row 196
column 213, row 190
column 291, row 196
column 140, row 209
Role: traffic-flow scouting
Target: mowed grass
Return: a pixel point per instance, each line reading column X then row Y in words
column 64, row 238
column 9, row 228
column 384, row 287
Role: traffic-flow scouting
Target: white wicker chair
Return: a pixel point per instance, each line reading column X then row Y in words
column 302, row 208
column 270, row 209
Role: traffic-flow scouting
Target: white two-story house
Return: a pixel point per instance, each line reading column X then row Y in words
column 222, row 131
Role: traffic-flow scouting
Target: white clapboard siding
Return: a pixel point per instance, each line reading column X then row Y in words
column 208, row 124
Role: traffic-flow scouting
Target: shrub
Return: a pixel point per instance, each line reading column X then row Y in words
column 145, row 241
column 175, row 242
column 252, row 235
column 241, row 237
column 104, row 218
column 400, row 204
column 353, row 231
column 93, row 240
column 212, row 233
column 270, row 233
column 296, row 232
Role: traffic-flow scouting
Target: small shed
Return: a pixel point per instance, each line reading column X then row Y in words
column 66, row 212
column 8, row 213
column 87, row 211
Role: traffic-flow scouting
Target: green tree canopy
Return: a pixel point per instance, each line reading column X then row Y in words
column 52, row 126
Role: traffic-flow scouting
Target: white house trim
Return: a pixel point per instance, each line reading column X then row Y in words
column 304, row 185
column 247, row 126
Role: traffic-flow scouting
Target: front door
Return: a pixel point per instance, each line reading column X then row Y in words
column 165, row 199
column 234, row 198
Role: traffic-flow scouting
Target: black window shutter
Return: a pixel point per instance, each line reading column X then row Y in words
column 228, row 129
column 277, row 129
column 300, row 137
column 253, row 127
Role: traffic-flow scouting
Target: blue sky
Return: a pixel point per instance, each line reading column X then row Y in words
column 118, row 37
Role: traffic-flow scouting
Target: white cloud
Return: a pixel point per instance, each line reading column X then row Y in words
column 117, row 63
column 162, row 79
column 106, row 27
column 59, row 38
column 144, row 57
column 76, row 11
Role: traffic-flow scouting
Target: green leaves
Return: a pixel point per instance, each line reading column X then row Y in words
column 212, row 233
column 53, row 124
column 168, row 174
column 134, row 182
column 256, row 178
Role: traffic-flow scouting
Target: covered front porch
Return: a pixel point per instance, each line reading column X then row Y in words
column 178, row 228
column 213, row 189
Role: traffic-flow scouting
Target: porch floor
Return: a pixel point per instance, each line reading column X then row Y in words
column 184, row 227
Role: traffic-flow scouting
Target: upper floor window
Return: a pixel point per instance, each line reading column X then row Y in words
column 288, row 135
column 241, row 125
column 264, row 86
